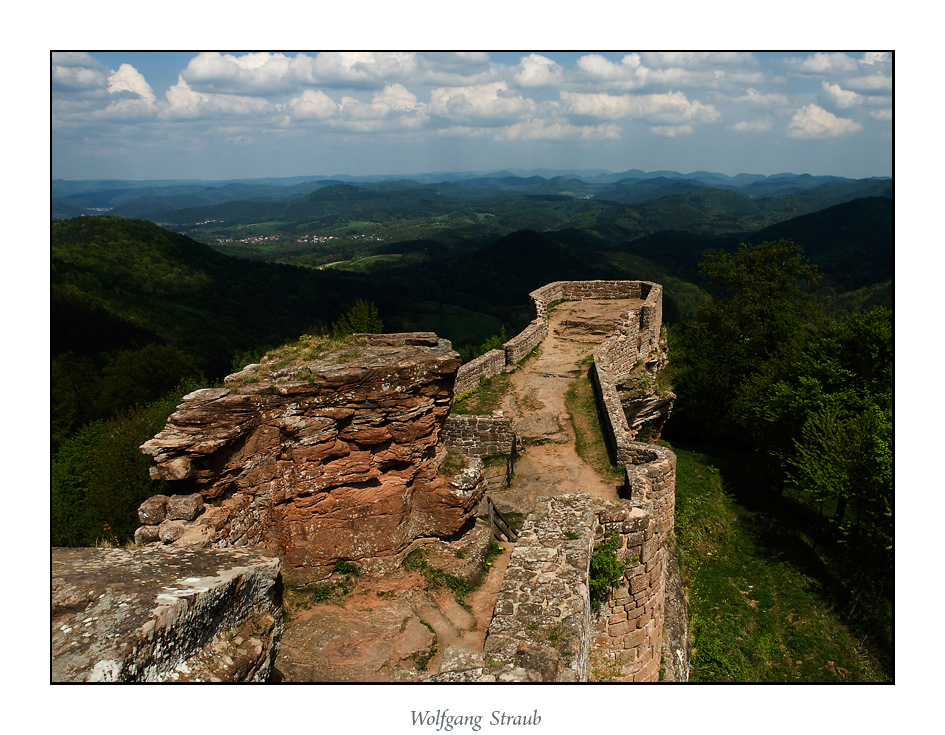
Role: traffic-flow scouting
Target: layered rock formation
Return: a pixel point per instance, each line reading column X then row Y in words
column 321, row 459
column 164, row 614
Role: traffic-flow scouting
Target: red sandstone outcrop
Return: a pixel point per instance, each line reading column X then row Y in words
column 321, row 460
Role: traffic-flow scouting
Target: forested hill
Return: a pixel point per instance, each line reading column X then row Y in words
column 119, row 283
column 851, row 243
column 136, row 309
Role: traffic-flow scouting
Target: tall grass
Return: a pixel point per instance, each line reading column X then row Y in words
column 759, row 611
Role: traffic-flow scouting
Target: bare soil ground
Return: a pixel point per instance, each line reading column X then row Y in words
column 393, row 628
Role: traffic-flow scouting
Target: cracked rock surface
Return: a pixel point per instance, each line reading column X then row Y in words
column 164, row 614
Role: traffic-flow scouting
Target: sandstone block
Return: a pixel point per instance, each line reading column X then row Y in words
column 638, row 584
column 169, row 531
column 153, row 510
column 146, row 535
column 184, row 507
column 620, row 628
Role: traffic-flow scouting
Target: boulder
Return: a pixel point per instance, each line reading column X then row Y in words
column 153, row 510
column 184, row 507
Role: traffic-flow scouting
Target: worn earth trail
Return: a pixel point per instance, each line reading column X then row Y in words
column 393, row 628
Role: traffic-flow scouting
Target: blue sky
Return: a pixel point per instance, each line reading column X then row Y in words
column 219, row 115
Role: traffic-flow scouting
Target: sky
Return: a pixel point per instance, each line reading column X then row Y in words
column 224, row 115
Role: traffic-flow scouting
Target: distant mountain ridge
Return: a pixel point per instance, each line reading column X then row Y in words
column 93, row 196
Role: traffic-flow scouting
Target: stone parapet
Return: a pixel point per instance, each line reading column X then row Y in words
column 628, row 628
column 646, row 319
column 545, row 627
column 524, row 342
column 541, row 623
column 479, row 436
column 486, row 365
column 164, row 614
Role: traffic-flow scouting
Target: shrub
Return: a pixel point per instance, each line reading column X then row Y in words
column 606, row 568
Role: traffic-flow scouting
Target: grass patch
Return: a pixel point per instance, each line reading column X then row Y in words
column 297, row 596
column 346, row 567
column 307, row 348
column 758, row 612
column 453, row 463
column 435, row 578
column 581, row 404
column 485, row 398
column 438, row 579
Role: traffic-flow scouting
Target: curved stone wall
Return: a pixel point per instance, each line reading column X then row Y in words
column 642, row 329
column 544, row 628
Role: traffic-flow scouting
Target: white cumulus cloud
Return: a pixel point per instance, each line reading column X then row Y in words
column 825, row 63
column 76, row 71
column 753, row 126
column 875, row 57
column 840, row 97
column 812, row 121
column 129, row 79
column 394, row 103
column 363, row 68
column 312, row 104
column 629, row 73
column 697, row 59
column 671, row 108
column 536, row 70
column 479, row 103
column 185, row 102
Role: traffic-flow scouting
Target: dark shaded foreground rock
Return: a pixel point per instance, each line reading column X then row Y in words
column 164, row 614
column 676, row 654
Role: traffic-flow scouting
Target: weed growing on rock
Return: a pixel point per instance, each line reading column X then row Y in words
column 346, row 567
column 606, row 568
column 435, row 578
column 492, row 553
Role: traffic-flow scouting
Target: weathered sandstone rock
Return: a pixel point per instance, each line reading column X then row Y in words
column 164, row 614
column 184, row 507
column 326, row 459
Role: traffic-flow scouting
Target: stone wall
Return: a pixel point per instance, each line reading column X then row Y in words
column 540, row 630
column 479, row 436
column 648, row 318
column 639, row 334
column 651, row 482
column 164, row 614
column 528, row 339
column 628, row 630
column 545, row 629
column 485, row 366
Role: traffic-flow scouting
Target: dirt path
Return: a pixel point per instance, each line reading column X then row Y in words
column 550, row 464
column 392, row 628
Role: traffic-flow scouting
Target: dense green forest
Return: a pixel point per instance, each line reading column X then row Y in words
column 778, row 300
column 763, row 370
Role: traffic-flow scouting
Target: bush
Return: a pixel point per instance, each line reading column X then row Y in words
column 606, row 568
column 100, row 476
